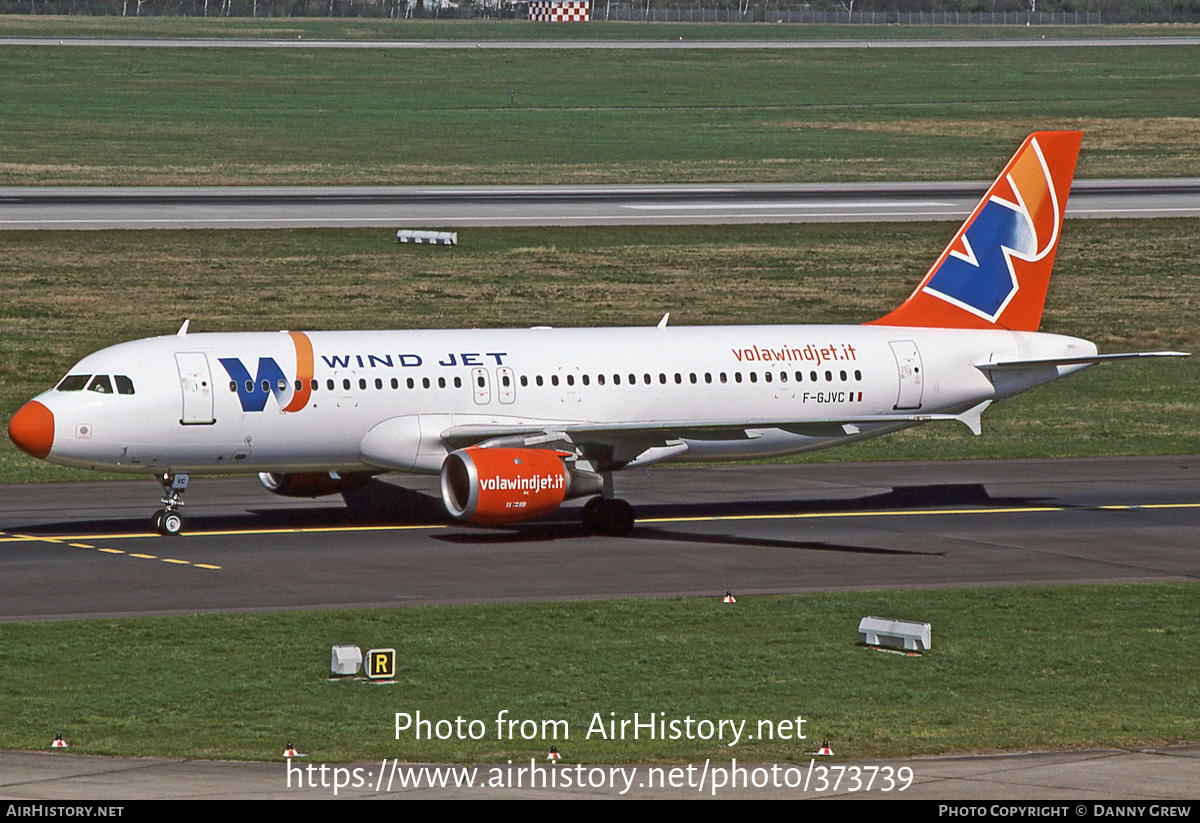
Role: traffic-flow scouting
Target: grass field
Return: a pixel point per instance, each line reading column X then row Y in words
column 1035, row 668
column 242, row 116
column 1127, row 284
column 365, row 29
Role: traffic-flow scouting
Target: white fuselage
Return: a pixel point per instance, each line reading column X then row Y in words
column 381, row 400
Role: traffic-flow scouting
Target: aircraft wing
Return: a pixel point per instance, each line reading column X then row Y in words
column 644, row 442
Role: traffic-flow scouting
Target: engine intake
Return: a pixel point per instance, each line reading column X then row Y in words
column 490, row 486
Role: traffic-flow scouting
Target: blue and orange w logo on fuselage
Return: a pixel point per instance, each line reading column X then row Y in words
column 270, row 380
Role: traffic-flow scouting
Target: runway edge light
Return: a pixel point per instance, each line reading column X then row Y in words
column 345, row 660
column 897, row 634
column 728, row 598
column 58, row 743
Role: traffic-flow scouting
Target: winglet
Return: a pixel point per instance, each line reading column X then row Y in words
column 996, row 269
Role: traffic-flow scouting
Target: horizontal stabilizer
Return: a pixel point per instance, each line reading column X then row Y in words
column 1018, row 365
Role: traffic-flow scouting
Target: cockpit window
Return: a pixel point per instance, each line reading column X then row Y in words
column 124, row 384
column 73, row 382
column 101, row 384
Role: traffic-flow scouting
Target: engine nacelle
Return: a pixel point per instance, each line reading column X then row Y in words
column 312, row 484
column 490, row 486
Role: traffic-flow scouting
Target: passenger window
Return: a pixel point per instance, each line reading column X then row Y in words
column 570, row 380
column 678, row 378
column 266, row 385
column 101, row 384
column 538, row 380
column 692, row 377
column 410, row 383
column 586, row 380
column 232, row 386
column 395, row 383
column 524, row 381
column 554, row 379
column 458, row 382
column 73, row 382
column 329, row 384
column 737, row 377
column 480, row 381
column 441, row 382
column 346, row 384
column 362, row 384
column 662, row 378
column 647, row 379
column 724, row 379
column 708, row 377
column 812, row 375
column 857, row 374
column 767, row 376
column 828, row 377
column 799, row 377
column 843, row 376
column 425, row 382
column 378, row 383
column 753, row 377
column 616, row 379
column 124, row 384
column 315, row 385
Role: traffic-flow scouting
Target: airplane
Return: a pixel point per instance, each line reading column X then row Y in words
column 517, row 421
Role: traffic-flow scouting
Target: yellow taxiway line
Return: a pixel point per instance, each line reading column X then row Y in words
column 77, row 540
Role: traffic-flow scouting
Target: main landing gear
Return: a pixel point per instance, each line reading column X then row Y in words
column 168, row 520
column 607, row 515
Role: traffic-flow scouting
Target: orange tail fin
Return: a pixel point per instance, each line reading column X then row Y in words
column 995, row 272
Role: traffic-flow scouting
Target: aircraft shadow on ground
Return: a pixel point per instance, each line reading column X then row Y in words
column 388, row 504
column 900, row 498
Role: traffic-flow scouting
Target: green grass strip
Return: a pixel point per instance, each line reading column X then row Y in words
column 1011, row 668
column 391, row 117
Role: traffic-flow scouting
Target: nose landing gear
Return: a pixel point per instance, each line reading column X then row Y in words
column 168, row 520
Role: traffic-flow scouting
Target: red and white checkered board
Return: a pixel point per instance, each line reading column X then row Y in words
column 572, row 11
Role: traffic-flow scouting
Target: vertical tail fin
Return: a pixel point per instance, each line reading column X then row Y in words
column 995, row 272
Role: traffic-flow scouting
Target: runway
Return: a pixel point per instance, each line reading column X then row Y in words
column 84, row 549
column 71, row 208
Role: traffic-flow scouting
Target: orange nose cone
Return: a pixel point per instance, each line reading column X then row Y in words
column 32, row 429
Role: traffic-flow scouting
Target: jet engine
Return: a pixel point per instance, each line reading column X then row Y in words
column 498, row 485
column 312, row 484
